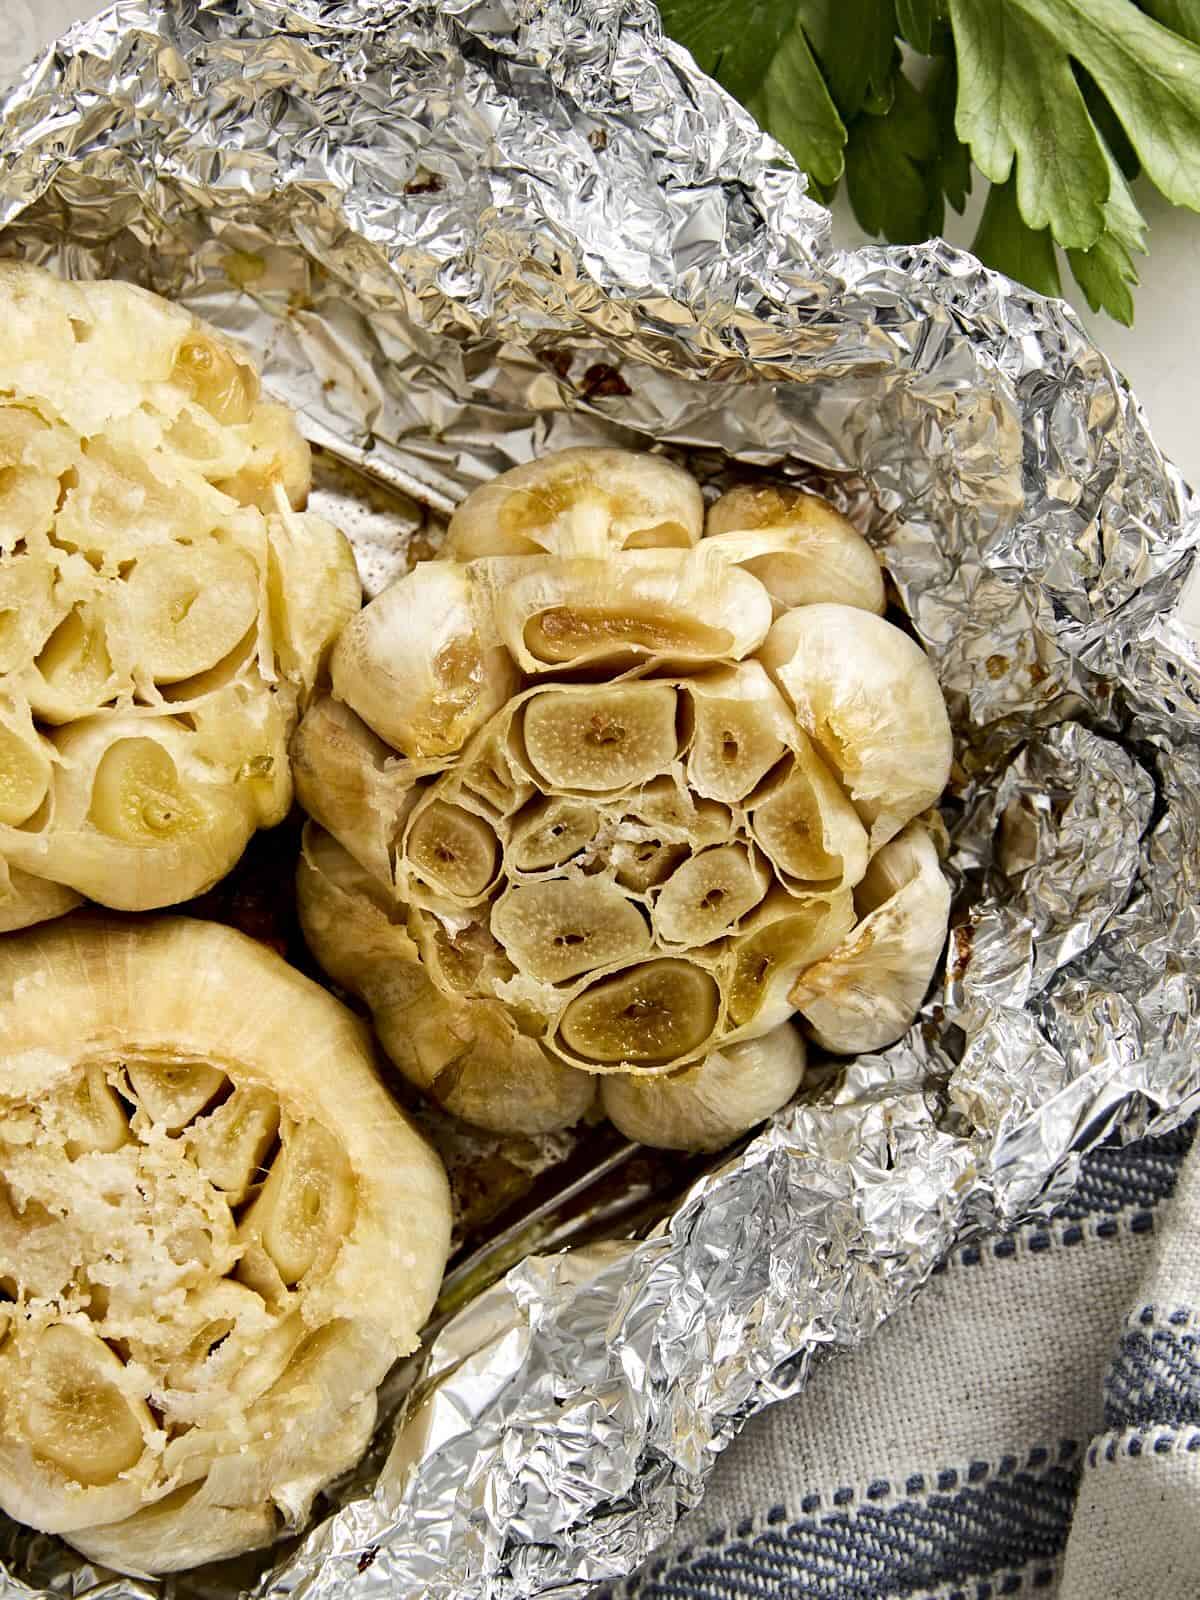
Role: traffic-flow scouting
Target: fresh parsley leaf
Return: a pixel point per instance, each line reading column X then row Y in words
column 1007, row 242
column 953, row 165
column 795, row 105
column 1106, row 271
column 732, row 43
column 1181, row 16
column 917, row 22
column 890, row 174
column 1150, row 76
column 1017, row 98
column 855, row 42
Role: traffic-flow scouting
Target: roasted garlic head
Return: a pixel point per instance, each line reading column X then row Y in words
column 604, row 800
column 165, row 606
column 217, row 1233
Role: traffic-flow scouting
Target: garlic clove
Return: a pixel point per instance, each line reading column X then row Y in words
column 779, row 941
column 866, row 991
column 806, row 826
column 741, row 726
column 708, row 895
column 188, row 606
column 421, row 664
column 868, row 697
column 654, row 1014
column 592, row 740
column 561, row 927
column 579, row 502
column 707, row 1105
column 686, row 607
column 798, row 546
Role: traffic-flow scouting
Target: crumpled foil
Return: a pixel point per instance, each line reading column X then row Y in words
column 459, row 235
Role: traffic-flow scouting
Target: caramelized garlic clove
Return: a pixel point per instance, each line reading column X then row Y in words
column 561, row 927
column 215, row 377
column 548, row 833
column 452, row 850
column 73, row 673
column 706, row 1106
column 867, row 696
column 708, row 895
column 740, row 728
column 802, row 550
column 807, row 826
column 649, row 1015
column 866, row 992
column 783, row 938
column 601, row 739
column 685, row 606
column 586, row 502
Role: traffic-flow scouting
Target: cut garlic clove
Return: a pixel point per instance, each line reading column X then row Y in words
column 452, row 851
column 579, row 502
column 601, row 739
column 682, row 606
column 867, row 696
column 73, row 673
column 865, row 993
column 807, row 826
column 491, row 769
column 708, row 895
column 783, row 938
column 138, row 797
column 741, row 725
column 799, row 547
column 350, row 782
column 461, row 955
column 88, row 1116
column 649, row 1015
column 421, row 664
column 561, row 927
column 29, row 608
column 73, row 1410
column 306, row 1205
column 229, row 1143
column 548, row 833
column 188, row 606
column 173, row 1093
column 706, row 1106
column 24, row 769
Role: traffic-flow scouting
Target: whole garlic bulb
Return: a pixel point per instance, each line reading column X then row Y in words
column 165, row 605
column 609, row 853
column 205, row 1186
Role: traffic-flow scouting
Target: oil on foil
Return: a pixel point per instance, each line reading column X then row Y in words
column 459, row 235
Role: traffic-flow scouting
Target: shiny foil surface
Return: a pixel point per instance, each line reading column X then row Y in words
column 459, row 235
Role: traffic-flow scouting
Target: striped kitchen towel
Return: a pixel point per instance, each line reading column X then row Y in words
column 1030, row 1426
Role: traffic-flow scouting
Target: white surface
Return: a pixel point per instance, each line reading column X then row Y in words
column 1159, row 356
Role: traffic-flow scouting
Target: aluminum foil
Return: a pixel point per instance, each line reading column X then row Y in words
column 458, row 235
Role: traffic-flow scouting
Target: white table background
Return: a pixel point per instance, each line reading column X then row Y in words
column 1160, row 355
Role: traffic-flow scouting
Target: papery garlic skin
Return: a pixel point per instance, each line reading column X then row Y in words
column 154, row 566
column 205, row 1185
column 598, row 795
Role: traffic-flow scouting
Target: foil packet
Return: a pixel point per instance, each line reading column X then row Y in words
column 459, row 235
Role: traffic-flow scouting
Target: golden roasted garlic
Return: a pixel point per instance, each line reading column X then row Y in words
column 217, row 1233
column 165, row 604
column 605, row 799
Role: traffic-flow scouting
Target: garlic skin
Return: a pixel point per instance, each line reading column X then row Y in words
column 800, row 549
column 151, row 1084
column 868, row 698
column 596, row 802
column 585, row 502
column 154, row 568
column 865, row 992
column 421, row 664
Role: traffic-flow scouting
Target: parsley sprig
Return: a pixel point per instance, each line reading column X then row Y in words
column 1059, row 103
